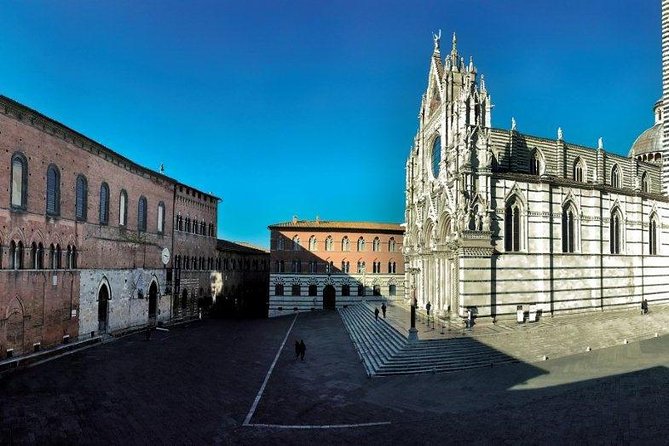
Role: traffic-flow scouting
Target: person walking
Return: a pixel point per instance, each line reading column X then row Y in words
column 383, row 309
column 303, row 349
column 428, row 306
column 298, row 349
column 376, row 313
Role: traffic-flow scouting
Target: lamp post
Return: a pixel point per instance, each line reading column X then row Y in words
column 413, row 333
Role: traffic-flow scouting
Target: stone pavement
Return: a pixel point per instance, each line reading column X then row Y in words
column 554, row 337
column 196, row 384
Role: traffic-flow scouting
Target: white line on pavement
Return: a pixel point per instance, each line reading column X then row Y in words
column 262, row 388
column 316, row 426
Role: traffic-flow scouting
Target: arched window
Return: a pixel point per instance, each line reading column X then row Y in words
column 52, row 257
column 81, row 204
column 392, row 290
column 12, row 255
column 391, row 244
column 436, row 156
column 279, row 243
column 361, row 244
column 19, row 182
column 295, row 289
column 579, row 170
column 616, row 232
column 536, row 162
column 569, row 228
column 346, row 290
column 512, row 225
column 645, row 182
column 68, row 257
column 104, row 204
column 652, row 235
column 123, row 208
column 312, row 243
column 161, row 217
column 296, row 243
column 194, row 227
column 33, row 255
column 52, row 190
column 329, row 245
column 615, row 176
column 59, row 257
column 278, row 289
column 141, row 214
column 376, row 244
column 345, row 244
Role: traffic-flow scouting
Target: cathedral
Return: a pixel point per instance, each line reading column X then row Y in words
column 499, row 221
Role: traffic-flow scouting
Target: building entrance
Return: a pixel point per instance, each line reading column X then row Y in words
column 103, row 308
column 153, row 302
column 329, row 298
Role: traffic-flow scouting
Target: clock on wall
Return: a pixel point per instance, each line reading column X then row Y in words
column 165, row 256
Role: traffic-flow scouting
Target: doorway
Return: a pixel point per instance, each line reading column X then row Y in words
column 103, row 308
column 329, row 298
column 153, row 302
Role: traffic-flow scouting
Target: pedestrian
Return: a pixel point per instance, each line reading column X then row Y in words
column 644, row 306
column 297, row 349
column 427, row 308
column 303, row 349
column 376, row 313
column 383, row 309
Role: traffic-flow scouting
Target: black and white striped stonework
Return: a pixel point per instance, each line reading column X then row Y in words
column 665, row 95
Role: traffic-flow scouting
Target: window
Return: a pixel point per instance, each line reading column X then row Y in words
column 652, row 235
column 161, row 217
column 346, row 290
column 39, row 261
column 377, row 290
column 194, row 227
column 512, row 222
column 81, row 203
column 313, row 290
column 313, row 266
column 376, row 267
column 281, row 266
column 392, row 290
column 345, row 244
column 615, row 176
column 123, row 208
column 71, row 257
column 279, row 243
column 278, row 289
column 104, row 204
column 361, row 267
column 296, row 243
column 295, row 291
column 391, row 244
column 312, row 243
column 615, row 232
column 361, row 244
column 361, row 290
column 391, row 267
column 345, row 266
column 53, row 190
column 13, row 264
column 376, row 245
column 297, row 266
column 52, row 257
column 59, row 257
column 645, row 182
column 141, row 214
column 19, row 183
column 536, row 163
column 568, row 229
column 579, row 170
column 328, row 243
column 329, row 267
column 436, row 156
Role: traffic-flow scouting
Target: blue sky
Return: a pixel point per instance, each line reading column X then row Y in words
column 309, row 108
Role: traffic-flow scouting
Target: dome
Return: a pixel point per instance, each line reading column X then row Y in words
column 648, row 146
column 650, row 141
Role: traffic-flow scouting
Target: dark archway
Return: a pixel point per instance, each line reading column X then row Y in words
column 329, row 298
column 153, row 301
column 103, row 308
column 15, row 328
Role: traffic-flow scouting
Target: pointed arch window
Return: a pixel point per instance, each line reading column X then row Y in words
column 53, row 190
column 161, row 218
column 579, row 170
column 616, row 232
column 12, row 255
column 652, row 235
column 436, row 156
column 141, row 214
column 391, row 244
column 123, row 208
column 104, row 204
column 296, row 243
column 81, row 202
column 52, row 257
column 329, row 244
column 59, row 257
column 536, row 162
column 345, row 244
column 569, row 229
column 19, row 182
column 512, row 225
column 361, row 244
column 312, row 243
column 376, row 244
column 615, row 176
column 279, row 243
column 645, row 182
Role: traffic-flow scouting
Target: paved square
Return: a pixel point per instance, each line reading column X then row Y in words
column 196, row 385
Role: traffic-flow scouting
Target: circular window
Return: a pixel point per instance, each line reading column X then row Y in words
column 436, row 156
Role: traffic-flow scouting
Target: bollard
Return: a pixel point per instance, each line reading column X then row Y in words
column 587, row 349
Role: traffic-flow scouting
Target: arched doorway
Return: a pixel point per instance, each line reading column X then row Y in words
column 153, row 301
column 329, row 298
column 103, row 308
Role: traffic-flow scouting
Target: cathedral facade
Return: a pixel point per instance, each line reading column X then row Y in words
column 498, row 220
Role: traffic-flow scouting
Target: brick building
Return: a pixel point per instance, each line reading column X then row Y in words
column 241, row 282
column 85, row 235
column 326, row 264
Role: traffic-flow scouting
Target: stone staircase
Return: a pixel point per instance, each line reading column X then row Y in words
column 386, row 352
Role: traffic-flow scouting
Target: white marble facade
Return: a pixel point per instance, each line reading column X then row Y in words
column 497, row 219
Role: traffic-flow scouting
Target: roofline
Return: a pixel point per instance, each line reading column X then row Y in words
column 314, row 224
